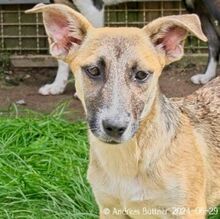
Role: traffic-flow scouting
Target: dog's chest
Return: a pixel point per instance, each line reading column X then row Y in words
column 119, row 176
column 136, row 190
column 125, row 189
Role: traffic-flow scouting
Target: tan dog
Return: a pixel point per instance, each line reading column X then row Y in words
column 150, row 157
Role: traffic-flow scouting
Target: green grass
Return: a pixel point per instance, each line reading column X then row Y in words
column 43, row 163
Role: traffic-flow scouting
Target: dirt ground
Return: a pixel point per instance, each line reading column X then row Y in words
column 22, row 85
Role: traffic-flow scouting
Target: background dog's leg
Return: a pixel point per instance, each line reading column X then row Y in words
column 60, row 82
column 93, row 10
column 214, row 46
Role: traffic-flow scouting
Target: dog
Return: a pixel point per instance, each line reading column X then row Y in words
column 150, row 156
column 209, row 13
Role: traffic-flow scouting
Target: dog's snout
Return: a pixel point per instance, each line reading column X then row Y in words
column 113, row 129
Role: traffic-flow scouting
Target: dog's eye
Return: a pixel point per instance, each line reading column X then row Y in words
column 93, row 72
column 141, row 76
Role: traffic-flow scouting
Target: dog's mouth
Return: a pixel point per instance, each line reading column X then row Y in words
column 104, row 137
column 113, row 142
column 109, row 140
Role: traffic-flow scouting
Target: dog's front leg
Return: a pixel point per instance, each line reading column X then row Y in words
column 103, row 215
column 109, row 207
column 214, row 47
column 60, row 82
column 112, row 212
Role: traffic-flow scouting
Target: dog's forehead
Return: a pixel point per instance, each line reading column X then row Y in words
column 118, row 43
column 117, row 48
column 118, row 32
column 115, row 40
column 121, row 48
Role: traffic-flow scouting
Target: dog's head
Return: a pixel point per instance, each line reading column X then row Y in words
column 116, row 69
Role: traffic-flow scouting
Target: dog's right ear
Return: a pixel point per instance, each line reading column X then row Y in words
column 66, row 28
column 168, row 34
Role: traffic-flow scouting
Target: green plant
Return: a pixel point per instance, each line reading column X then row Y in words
column 43, row 162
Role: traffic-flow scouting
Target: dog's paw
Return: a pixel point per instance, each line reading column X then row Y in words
column 200, row 79
column 51, row 89
column 76, row 96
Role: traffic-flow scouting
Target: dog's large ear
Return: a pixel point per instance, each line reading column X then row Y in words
column 168, row 34
column 66, row 28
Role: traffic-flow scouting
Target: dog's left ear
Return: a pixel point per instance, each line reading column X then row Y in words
column 168, row 34
column 65, row 27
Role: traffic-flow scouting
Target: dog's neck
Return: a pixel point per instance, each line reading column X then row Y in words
column 158, row 129
column 153, row 138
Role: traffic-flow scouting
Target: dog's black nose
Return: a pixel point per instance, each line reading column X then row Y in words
column 113, row 129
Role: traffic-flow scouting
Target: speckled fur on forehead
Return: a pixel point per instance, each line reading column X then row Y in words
column 113, row 42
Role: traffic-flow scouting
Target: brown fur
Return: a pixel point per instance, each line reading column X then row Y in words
column 172, row 162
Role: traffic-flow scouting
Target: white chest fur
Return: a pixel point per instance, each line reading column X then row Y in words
column 137, row 189
column 117, row 173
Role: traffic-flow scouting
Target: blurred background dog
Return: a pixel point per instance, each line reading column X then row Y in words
column 209, row 13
